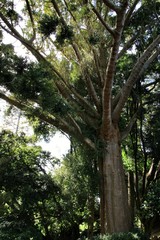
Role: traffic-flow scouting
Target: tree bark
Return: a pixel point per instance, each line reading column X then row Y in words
column 114, row 208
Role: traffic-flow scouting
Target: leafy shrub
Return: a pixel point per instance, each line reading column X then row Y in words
column 137, row 235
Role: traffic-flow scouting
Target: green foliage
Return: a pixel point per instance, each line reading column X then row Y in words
column 73, row 6
column 94, row 39
column 79, row 186
column 13, row 15
column 41, row 129
column 152, row 136
column 48, row 25
column 148, row 25
column 65, row 33
column 127, row 161
column 121, row 236
column 27, row 193
column 32, row 200
column 151, row 205
column 51, row 24
column 31, row 81
column 69, row 89
column 25, row 79
column 6, row 64
column 34, row 83
column 10, row 229
column 10, row 12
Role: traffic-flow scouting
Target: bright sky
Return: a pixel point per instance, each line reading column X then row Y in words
column 59, row 145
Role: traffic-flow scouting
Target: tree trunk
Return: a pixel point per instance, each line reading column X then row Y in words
column 114, row 209
column 131, row 195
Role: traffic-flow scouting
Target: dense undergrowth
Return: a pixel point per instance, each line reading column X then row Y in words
column 137, row 235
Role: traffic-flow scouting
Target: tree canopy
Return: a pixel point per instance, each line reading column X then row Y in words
column 72, row 43
column 94, row 75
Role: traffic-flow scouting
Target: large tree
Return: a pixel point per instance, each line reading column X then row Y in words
column 89, row 55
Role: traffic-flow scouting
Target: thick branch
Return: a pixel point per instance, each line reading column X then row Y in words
column 125, row 133
column 127, row 46
column 91, row 89
column 10, row 26
column 107, row 90
column 92, row 122
column 97, row 65
column 108, row 85
column 58, row 122
column 107, row 27
column 84, row 103
column 142, row 64
column 12, row 31
column 111, row 5
column 44, row 117
column 60, row 82
column 77, row 52
column 83, row 109
column 70, row 11
column 150, row 60
column 130, row 11
column 74, row 123
column 56, row 8
column 152, row 173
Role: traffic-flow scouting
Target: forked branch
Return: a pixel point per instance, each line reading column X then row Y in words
column 107, row 27
column 111, row 5
column 127, row 45
column 107, row 90
column 143, row 62
column 130, row 11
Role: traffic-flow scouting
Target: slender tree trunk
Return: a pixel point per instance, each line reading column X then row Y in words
column 114, row 209
column 91, row 217
column 131, row 195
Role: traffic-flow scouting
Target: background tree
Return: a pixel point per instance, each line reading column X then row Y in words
column 140, row 149
column 36, row 204
column 29, row 195
column 74, row 83
column 79, row 180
